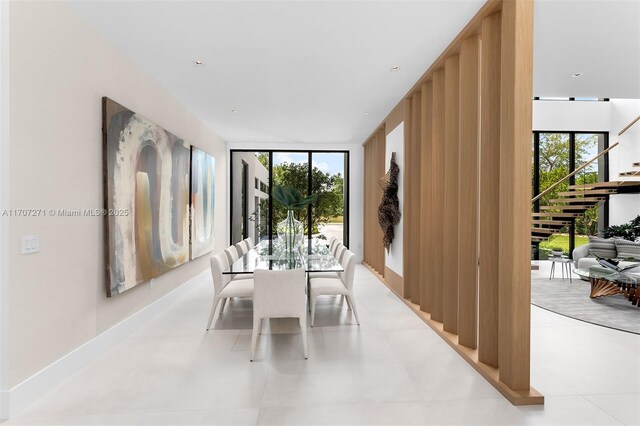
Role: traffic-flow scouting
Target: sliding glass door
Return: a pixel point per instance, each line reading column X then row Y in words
column 311, row 172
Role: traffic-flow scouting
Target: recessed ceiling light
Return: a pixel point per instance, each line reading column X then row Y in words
column 395, row 68
column 198, row 62
column 366, row 113
column 233, row 111
column 576, row 75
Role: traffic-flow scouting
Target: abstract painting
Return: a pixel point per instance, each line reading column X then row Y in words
column 202, row 201
column 146, row 172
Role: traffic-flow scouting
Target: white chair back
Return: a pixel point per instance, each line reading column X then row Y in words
column 219, row 263
column 349, row 265
column 279, row 294
column 340, row 254
column 232, row 254
column 336, row 249
column 249, row 242
column 241, row 248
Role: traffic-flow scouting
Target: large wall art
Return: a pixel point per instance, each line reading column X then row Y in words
column 146, row 197
column 202, row 201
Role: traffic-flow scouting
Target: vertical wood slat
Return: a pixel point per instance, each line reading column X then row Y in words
column 468, row 207
column 380, row 171
column 451, row 190
column 406, row 207
column 515, row 194
column 412, row 194
column 426, row 204
column 437, row 196
column 489, row 190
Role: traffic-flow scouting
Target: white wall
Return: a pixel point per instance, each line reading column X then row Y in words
column 610, row 117
column 60, row 68
column 624, row 207
column 356, row 178
column 395, row 143
column 4, row 194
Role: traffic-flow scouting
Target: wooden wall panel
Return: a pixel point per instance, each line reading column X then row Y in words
column 437, row 196
column 515, row 193
column 411, row 256
column 489, row 191
column 468, row 208
column 451, row 191
column 426, row 203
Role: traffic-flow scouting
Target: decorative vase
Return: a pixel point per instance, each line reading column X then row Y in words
column 290, row 233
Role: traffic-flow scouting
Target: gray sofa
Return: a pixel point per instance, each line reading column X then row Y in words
column 583, row 261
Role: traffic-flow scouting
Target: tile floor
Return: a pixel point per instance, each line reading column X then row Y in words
column 390, row 370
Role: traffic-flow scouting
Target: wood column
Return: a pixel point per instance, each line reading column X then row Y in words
column 411, row 211
column 437, row 196
column 468, row 208
column 489, row 191
column 451, row 190
column 426, row 204
column 515, row 194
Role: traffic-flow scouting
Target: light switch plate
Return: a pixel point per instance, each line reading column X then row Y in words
column 30, row 244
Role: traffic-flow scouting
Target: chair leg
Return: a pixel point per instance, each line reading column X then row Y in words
column 216, row 299
column 224, row 301
column 303, row 328
column 353, row 308
column 348, row 304
column 257, row 322
column 313, row 308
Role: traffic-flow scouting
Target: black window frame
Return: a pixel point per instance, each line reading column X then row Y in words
column 346, row 187
column 572, row 166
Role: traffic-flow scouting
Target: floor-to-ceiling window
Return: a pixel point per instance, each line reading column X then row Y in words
column 324, row 173
column 556, row 155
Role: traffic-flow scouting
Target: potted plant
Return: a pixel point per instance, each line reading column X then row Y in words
column 557, row 251
column 290, row 230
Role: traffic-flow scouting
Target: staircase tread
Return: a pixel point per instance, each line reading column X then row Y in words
column 578, row 199
column 552, row 214
column 606, row 191
column 568, row 207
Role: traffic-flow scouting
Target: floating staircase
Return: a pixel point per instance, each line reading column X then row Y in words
column 579, row 198
column 574, row 203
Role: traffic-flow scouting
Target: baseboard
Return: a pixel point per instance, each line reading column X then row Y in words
column 23, row 394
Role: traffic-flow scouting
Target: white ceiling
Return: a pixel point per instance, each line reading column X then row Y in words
column 307, row 71
column 600, row 39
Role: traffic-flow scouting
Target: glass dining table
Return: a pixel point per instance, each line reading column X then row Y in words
column 313, row 255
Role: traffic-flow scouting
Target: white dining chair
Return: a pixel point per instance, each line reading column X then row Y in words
column 224, row 287
column 241, row 247
column 249, row 242
column 279, row 294
column 232, row 254
column 341, row 250
column 336, row 248
column 343, row 285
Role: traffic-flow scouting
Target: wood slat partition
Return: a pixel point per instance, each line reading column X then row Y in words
column 426, row 204
column 468, row 208
column 489, row 190
column 467, row 187
column 451, row 191
column 412, row 195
